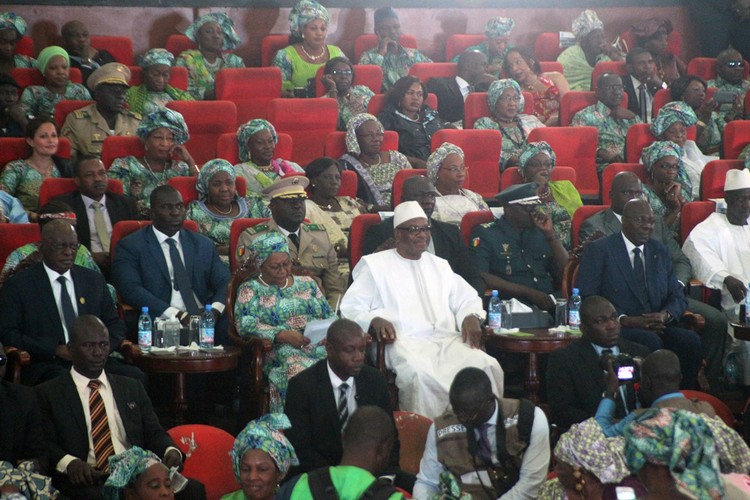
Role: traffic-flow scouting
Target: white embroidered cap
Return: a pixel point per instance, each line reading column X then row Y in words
column 406, row 211
column 737, row 179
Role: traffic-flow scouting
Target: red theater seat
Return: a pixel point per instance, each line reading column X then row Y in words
column 58, row 186
column 25, row 46
column 235, row 231
column 377, row 102
column 369, row 41
column 551, row 66
column 250, row 89
column 186, row 187
column 121, row 47
column 581, row 214
column 472, row 219
column 369, row 75
column 398, row 182
column 179, row 43
column 575, row 147
column 455, row 44
column 475, row 107
column 206, row 121
column 736, row 137
column 705, row 67
column 178, row 77
column 120, row 146
column 425, row 71
column 357, row 236
column 613, row 169
column 572, row 102
column 32, row 76
column 11, row 149
column 13, row 236
column 692, row 214
column 126, row 227
column 270, row 45
column 481, row 155
column 714, row 175
column 511, row 176
column 308, row 121
column 664, row 96
column 335, row 145
column 227, row 147
column 547, row 46
column 64, row 108
column 639, row 136
column 600, row 68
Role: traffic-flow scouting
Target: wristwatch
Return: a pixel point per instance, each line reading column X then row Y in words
column 610, row 395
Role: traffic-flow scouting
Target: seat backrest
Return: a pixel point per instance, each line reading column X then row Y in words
column 201, row 445
column 398, row 182
column 575, row 147
column 120, row 146
column 617, row 67
column 736, row 137
column 674, row 42
column 57, row 186
column 178, row 76
column 11, row 149
column 481, row 155
column 572, row 102
column 377, row 102
column 664, row 96
column 425, row 71
column 512, row 176
column 206, row 121
column 455, row 44
column 250, row 89
column 476, row 106
column 472, row 219
column 714, row 175
column 121, row 47
column 412, row 435
column 178, row 43
column 357, row 233
column 227, row 147
column 186, row 187
column 705, row 67
column 308, row 121
column 720, row 407
column 348, row 185
column 369, row 75
column 611, row 170
column 235, row 231
column 547, row 46
column 369, row 41
column 124, row 228
column 692, row 214
column 335, row 145
column 581, row 214
column 64, row 108
column 32, row 76
column 13, row 236
column 270, row 45
column 25, row 46
column 638, row 137
column 551, row 67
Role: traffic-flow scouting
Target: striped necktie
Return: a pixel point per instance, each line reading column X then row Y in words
column 100, row 433
column 343, row 404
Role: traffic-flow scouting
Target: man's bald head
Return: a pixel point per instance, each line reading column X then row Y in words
column 419, row 188
column 660, row 375
column 626, row 186
column 59, row 245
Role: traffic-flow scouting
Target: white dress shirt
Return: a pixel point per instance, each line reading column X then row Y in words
column 351, row 394
column 96, row 245
column 629, row 246
column 57, row 292
column 463, row 86
column 649, row 98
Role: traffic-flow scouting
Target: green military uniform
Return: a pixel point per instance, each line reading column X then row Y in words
column 315, row 254
column 86, row 129
column 523, row 258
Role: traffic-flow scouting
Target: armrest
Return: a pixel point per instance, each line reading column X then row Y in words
column 130, row 351
column 17, row 359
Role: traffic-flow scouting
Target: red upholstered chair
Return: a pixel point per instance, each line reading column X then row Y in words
column 639, row 136
column 178, row 76
column 186, row 187
column 308, row 121
column 357, row 236
column 664, row 96
column 600, row 68
column 692, row 214
column 472, row 219
column 512, row 176
column 398, row 182
column 335, row 145
column 13, row 236
column 425, row 71
column 747, row 104
column 369, row 41
column 713, row 176
column 736, row 137
column 475, row 107
column 348, row 185
column 377, row 102
column 57, row 186
column 613, row 169
column 11, row 149
column 705, row 67
column 547, row 46
column 121, row 47
column 25, row 46
column 455, row 44
column 227, row 147
column 369, row 75
column 551, row 66
column 575, row 147
column 412, row 435
column 201, row 445
column 206, row 121
column 250, row 89
column 178, row 43
column 582, row 213
column 125, row 227
column 120, row 146
column 270, row 45
column 235, row 231
column 572, row 102
column 32, row 76
column 64, row 108
column 722, row 410
column 481, row 155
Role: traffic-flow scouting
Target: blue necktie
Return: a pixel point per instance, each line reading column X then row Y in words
column 181, row 279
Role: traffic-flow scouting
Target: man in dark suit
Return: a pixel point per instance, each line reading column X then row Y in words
column 446, row 238
column 635, row 273
column 39, row 304
column 314, row 402
column 714, row 338
column 79, row 442
column 173, row 271
column 641, row 72
column 96, row 209
column 575, row 375
column 451, row 91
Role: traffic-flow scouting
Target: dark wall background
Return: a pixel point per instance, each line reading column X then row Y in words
column 362, row 3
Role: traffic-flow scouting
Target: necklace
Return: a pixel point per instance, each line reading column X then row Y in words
column 286, row 283
column 214, row 65
column 220, row 212
column 313, row 58
column 374, row 164
column 329, row 206
column 546, row 192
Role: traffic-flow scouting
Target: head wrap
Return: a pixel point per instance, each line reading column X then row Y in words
column 584, row 445
column 498, row 87
column 156, row 56
column 164, row 118
column 384, row 13
column 11, row 20
column 304, row 12
column 260, row 250
column 499, row 26
column 352, row 145
column 265, row 433
column 125, row 468
column 249, row 129
column 231, row 40
column 658, row 150
column 585, row 23
column 208, row 170
column 531, row 150
column 407, row 211
column 438, row 157
column 681, row 441
column 649, row 27
column 46, row 55
column 671, row 113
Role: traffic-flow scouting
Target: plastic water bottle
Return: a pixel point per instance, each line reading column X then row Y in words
column 495, row 312
column 145, row 327
column 746, row 319
column 172, row 332
column 731, row 371
column 207, row 328
column 574, row 310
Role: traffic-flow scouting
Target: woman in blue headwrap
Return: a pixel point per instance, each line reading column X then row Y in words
column 274, row 305
column 155, row 91
column 12, row 28
column 307, row 50
column 447, row 172
column 40, row 100
column 138, row 474
column 214, row 33
column 497, row 30
column 506, row 102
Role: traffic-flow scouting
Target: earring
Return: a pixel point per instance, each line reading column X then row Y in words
column 580, row 480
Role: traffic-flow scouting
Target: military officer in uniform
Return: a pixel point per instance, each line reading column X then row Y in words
column 519, row 254
column 86, row 128
column 309, row 245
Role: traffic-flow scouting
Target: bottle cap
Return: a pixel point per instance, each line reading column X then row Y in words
column 144, row 309
column 575, row 291
column 209, row 307
column 494, row 293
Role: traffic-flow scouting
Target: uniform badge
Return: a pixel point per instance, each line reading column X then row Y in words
column 475, row 242
column 506, row 246
column 82, row 300
column 240, row 251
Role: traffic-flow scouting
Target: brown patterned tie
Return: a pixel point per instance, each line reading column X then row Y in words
column 100, row 433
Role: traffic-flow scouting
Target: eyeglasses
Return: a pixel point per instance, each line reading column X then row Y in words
column 3, row 359
column 642, row 220
column 277, row 267
column 509, row 98
column 464, row 416
column 454, row 170
column 343, row 72
column 735, row 64
column 59, row 247
column 415, row 230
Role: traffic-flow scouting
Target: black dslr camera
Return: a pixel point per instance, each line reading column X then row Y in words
column 624, row 366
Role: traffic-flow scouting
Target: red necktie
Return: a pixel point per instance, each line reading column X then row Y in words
column 100, row 433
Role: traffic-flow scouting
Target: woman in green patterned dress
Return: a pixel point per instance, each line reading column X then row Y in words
column 12, row 28
column 155, row 91
column 275, row 305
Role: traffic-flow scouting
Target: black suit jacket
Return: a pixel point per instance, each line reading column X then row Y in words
column 575, row 381
column 448, row 245
column 119, row 208
column 64, row 422
column 316, row 428
column 449, row 97
column 20, row 424
column 633, row 102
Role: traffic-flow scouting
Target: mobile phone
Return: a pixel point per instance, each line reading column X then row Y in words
column 724, row 97
column 625, row 493
column 625, row 372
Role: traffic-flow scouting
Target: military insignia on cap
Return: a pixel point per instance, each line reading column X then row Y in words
column 475, row 242
column 295, row 181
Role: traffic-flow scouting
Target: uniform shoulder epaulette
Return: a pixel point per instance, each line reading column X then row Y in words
column 313, row 227
column 488, row 224
column 257, row 229
column 81, row 113
column 135, row 115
